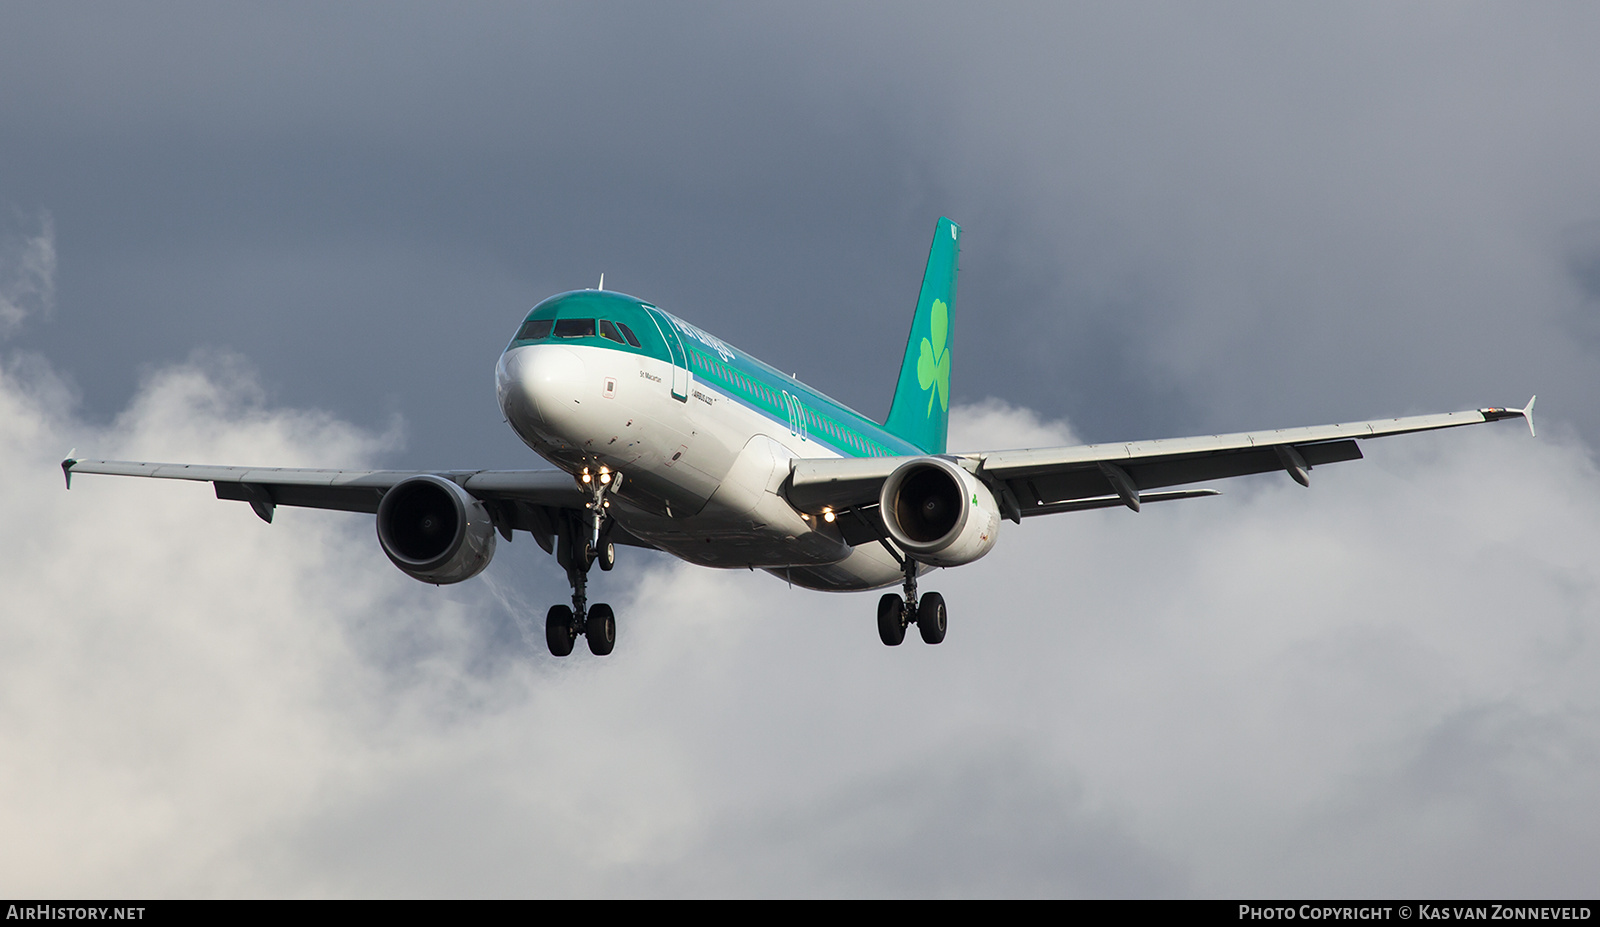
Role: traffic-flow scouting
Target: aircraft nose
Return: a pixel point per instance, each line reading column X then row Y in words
column 538, row 383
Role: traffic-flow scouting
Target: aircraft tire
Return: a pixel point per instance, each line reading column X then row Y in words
column 608, row 556
column 558, row 630
column 931, row 617
column 600, row 627
column 891, row 619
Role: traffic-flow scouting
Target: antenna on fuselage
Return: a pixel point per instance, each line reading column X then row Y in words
column 602, row 282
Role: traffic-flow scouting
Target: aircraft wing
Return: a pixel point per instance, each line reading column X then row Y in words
column 1041, row 481
column 529, row 500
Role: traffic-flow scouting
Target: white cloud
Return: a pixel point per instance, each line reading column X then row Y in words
column 1377, row 686
column 27, row 275
column 994, row 424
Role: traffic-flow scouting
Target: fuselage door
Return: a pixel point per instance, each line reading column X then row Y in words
column 680, row 358
column 797, row 415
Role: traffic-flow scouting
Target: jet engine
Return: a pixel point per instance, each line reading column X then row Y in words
column 938, row 512
column 434, row 530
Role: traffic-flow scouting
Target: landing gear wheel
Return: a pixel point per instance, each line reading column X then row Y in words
column 558, row 630
column 607, row 556
column 891, row 619
column 601, row 629
column 931, row 617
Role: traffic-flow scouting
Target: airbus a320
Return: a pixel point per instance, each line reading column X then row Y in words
column 664, row 436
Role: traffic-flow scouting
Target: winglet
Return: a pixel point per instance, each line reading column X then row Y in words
column 66, row 465
column 1495, row 414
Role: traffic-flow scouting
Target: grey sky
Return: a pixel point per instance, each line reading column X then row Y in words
column 1179, row 219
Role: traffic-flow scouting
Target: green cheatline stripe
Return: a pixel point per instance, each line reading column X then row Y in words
column 827, row 421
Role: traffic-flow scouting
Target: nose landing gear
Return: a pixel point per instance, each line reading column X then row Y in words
column 581, row 543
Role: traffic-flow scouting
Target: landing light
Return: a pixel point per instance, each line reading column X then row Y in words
column 827, row 515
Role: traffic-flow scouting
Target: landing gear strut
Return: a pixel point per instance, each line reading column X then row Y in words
column 581, row 543
column 897, row 612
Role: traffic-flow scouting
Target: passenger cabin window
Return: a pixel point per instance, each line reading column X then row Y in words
column 575, row 328
column 533, row 330
column 608, row 329
column 628, row 334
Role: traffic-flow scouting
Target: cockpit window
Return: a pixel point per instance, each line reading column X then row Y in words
column 575, row 328
column 534, row 330
column 539, row 329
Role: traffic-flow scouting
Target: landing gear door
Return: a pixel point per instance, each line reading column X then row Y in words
column 680, row 359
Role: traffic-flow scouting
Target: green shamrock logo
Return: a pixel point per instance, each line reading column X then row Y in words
column 933, row 367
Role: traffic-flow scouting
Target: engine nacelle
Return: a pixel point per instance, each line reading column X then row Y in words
column 434, row 530
column 938, row 512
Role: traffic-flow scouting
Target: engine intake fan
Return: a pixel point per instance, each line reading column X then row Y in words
column 938, row 512
column 435, row 531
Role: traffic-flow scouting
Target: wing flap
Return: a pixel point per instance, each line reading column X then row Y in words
column 1108, row 502
column 339, row 498
column 1086, row 480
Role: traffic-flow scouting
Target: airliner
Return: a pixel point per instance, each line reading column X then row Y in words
column 664, row 436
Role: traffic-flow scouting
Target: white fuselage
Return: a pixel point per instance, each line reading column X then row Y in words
column 702, row 477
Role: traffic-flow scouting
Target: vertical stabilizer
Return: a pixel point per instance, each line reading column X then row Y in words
column 920, row 412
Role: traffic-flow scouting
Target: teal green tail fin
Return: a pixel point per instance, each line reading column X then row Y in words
column 920, row 412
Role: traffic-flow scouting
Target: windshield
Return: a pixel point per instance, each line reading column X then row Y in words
column 575, row 328
column 534, row 329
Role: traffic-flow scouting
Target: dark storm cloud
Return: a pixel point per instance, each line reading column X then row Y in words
column 1177, row 221
column 1287, row 215
column 365, row 200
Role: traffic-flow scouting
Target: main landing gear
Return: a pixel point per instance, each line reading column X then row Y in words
column 897, row 612
column 581, row 543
